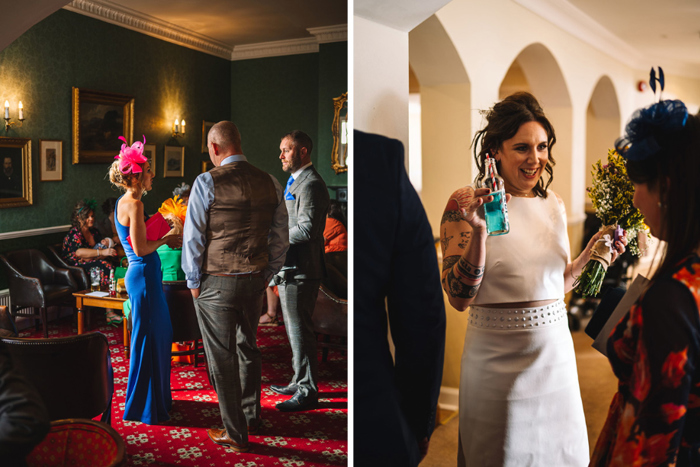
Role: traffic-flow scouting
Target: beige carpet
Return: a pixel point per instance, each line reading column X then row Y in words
column 598, row 384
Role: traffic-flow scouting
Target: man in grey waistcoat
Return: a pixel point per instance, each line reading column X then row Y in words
column 235, row 240
column 307, row 201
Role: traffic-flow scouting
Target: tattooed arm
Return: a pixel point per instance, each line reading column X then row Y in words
column 463, row 240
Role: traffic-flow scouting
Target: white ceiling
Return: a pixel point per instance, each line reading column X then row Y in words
column 639, row 33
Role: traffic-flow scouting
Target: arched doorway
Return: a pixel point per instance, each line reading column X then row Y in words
column 602, row 125
column 445, row 116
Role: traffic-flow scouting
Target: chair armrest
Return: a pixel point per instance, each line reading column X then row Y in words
column 25, row 291
column 64, row 276
column 78, row 273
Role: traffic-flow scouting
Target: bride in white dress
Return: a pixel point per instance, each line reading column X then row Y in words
column 519, row 403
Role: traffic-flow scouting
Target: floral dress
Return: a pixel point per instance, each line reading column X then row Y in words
column 73, row 242
column 654, row 418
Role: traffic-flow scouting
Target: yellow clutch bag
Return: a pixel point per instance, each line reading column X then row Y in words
column 121, row 287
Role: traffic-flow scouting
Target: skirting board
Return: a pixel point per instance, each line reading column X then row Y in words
column 449, row 398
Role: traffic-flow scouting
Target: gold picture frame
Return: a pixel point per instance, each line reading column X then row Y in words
column 15, row 186
column 339, row 161
column 99, row 119
column 174, row 162
column 51, row 160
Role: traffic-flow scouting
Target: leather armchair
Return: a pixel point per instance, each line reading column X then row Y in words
column 330, row 319
column 36, row 283
column 73, row 375
column 78, row 273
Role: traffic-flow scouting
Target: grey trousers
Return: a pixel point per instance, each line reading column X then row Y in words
column 228, row 309
column 298, row 299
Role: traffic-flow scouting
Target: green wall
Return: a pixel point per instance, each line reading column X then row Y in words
column 67, row 49
column 272, row 96
column 266, row 97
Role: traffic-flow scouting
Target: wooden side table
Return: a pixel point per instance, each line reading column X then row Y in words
column 82, row 299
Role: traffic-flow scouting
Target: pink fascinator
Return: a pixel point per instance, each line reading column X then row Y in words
column 131, row 157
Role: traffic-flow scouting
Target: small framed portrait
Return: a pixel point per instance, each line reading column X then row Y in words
column 51, row 160
column 99, row 119
column 174, row 162
column 16, row 173
column 207, row 166
column 149, row 150
column 206, row 126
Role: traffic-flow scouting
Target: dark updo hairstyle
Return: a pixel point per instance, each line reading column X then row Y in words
column 108, row 206
column 503, row 121
column 81, row 212
column 673, row 171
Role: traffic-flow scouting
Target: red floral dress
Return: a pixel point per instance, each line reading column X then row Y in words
column 76, row 240
column 654, row 418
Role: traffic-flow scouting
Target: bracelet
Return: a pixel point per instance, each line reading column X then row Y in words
column 98, row 253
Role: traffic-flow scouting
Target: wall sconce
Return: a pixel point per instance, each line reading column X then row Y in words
column 178, row 128
column 8, row 121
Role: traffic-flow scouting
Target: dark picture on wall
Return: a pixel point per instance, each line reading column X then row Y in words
column 51, row 160
column 206, row 126
column 149, row 150
column 174, row 162
column 99, row 119
column 16, row 173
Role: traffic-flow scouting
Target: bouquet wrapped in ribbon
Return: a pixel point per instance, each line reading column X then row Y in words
column 611, row 193
column 174, row 211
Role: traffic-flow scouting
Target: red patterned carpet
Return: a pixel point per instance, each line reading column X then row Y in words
column 313, row 438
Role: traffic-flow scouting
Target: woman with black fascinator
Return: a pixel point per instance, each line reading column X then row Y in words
column 654, row 418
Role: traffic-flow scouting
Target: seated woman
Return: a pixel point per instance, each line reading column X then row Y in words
column 106, row 226
column 84, row 247
column 335, row 235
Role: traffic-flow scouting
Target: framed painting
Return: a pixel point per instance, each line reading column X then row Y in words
column 51, row 160
column 207, row 166
column 174, row 162
column 206, row 126
column 149, row 150
column 16, row 175
column 99, row 119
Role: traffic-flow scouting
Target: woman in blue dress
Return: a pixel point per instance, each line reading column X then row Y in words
column 148, row 397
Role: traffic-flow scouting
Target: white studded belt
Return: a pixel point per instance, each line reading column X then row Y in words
column 507, row 319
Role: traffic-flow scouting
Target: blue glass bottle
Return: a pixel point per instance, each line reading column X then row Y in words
column 496, row 211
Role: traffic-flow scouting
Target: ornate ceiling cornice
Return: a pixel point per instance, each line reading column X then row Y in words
column 275, row 49
column 109, row 12
column 146, row 24
column 328, row 34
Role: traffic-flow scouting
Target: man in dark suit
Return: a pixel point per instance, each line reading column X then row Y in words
column 396, row 275
column 307, row 201
column 10, row 180
column 235, row 239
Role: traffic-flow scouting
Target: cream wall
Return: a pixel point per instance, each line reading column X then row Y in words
column 488, row 37
column 380, row 79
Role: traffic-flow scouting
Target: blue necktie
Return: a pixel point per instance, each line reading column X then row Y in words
column 287, row 194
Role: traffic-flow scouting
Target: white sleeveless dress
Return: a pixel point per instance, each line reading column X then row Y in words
column 519, row 399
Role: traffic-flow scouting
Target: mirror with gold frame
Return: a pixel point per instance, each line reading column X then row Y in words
column 340, row 134
column 16, row 173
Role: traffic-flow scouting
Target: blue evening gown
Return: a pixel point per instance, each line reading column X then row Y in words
column 148, row 397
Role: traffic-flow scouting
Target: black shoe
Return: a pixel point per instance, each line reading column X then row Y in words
column 299, row 403
column 285, row 390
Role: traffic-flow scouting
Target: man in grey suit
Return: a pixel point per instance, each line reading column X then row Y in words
column 307, row 202
column 235, row 239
